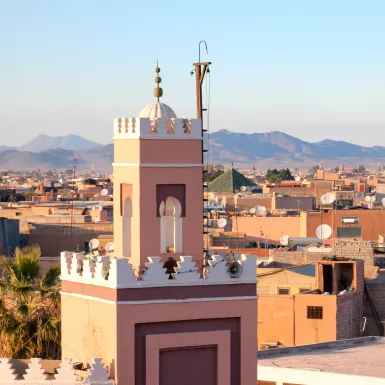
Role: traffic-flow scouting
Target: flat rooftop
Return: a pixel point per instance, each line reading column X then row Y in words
column 357, row 357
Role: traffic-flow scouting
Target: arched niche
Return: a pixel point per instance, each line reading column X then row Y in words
column 126, row 226
column 170, row 211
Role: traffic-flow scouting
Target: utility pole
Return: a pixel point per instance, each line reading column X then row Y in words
column 200, row 70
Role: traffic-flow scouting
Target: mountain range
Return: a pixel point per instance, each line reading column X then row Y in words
column 271, row 149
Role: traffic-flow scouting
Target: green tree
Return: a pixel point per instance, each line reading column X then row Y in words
column 274, row 176
column 29, row 307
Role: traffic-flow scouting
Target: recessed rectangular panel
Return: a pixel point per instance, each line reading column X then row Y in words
column 349, row 232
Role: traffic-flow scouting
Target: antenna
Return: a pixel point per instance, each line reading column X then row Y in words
column 73, row 194
column 104, row 192
column 200, row 70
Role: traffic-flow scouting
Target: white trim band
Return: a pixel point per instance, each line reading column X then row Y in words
column 253, row 297
column 179, row 165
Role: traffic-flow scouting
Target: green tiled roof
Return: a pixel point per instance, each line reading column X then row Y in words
column 230, row 181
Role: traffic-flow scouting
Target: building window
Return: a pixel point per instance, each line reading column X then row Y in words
column 283, row 291
column 315, row 312
column 18, row 213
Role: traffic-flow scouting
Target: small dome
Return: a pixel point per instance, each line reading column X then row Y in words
column 157, row 111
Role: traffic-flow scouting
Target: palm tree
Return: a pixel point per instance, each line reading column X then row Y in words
column 29, row 307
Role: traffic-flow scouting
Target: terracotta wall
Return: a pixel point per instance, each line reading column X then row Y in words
column 372, row 222
column 272, row 227
column 308, row 331
column 276, row 319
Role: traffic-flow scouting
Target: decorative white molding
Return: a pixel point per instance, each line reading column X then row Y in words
column 65, row 374
column 97, row 372
column 7, row 372
column 188, row 300
column 166, row 165
column 145, row 128
column 117, row 273
column 35, row 372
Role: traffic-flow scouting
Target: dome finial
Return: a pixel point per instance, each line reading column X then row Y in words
column 158, row 92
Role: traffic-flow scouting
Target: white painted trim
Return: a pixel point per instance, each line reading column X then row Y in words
column 178, row 165
column 254, row 297
column 312, row 377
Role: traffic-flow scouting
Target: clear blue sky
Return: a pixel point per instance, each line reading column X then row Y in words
column 311, row 68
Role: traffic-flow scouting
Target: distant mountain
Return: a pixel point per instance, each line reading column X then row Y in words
column 271, row 149
column 67, row 142
column 276, row 146
column 5, row 148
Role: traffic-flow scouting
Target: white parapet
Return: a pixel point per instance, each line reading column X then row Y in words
column 118, row 272
column 145, row 128
column 65, row 375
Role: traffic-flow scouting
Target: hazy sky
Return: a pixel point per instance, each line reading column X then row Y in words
column 311, row 68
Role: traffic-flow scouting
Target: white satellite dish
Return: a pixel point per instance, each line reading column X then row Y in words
column 252, row 210
column 323, row 232
column 221, row 223
column 370, row 198
column 262, row 208
column 284, row 240
column 243, row 188
column 104, row 192
column 94, row 244
column 58, row 196
column 383, row 201
column 328, row 198
column 109, row 247
column 257, row 208
column 96, row 220
column 297, row 178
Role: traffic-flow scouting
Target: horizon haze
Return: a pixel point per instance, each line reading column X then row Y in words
column 313, row 70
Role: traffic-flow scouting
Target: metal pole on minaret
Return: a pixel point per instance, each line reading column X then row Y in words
column 201, row 69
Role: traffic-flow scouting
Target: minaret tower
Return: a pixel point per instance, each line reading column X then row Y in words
column 199, row 327
column 157, row 184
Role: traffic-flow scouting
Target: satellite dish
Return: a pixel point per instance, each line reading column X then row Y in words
column 284, row 240
column 323, row 232
column 221, row 223
column 109, row 247
column 58, row 196
column 243, row 188
column 262, row 208
column 297, row 178
column 252, row 210
column 383, row 201
column 328, row 198
column 104, row 192
column 257, row 208
column 96, row 220
column 94, row 244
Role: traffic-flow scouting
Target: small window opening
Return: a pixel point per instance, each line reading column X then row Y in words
column 315, row 312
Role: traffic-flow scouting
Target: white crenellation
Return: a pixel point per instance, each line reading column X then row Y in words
column 187, row 270
column 120, row 271
column 217, row 270
column 115, row 272
column 97, row 372
column 7, row 372
column 249, row 265
column 176, row 128
column 155, row 272
column 35, row 371
column 66, row 374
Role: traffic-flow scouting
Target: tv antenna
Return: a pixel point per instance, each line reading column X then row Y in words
column 200, row 70
column 74, row 165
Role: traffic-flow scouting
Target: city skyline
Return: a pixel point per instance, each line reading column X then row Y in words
column 313, row 71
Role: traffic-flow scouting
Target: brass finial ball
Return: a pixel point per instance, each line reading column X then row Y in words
column 158, row 92
column 157, row 70
column 157, row 80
